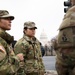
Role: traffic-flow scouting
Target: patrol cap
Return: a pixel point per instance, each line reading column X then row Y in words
column 29, row 24
column 5, row 14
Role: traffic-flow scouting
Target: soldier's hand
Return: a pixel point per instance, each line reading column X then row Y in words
column 20, row 56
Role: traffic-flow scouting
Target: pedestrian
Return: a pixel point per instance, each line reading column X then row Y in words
column 29, row 46
column 42, row 49
column 7, row 56
column 65, row 45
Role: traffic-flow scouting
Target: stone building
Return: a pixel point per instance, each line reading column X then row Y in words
column 46, row 44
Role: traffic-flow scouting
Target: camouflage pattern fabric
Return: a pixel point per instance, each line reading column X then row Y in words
column 5, row 14
column 32, row 55
column 65, row 56
column 7, row 56
column 29, row 24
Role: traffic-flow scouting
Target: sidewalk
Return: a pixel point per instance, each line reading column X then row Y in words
column 51, row 72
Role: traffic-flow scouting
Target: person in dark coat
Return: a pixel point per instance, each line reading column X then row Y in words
column 42, row 50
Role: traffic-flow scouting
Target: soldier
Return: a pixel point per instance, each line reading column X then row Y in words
column 7, row 56
column 65, row 45
column 30, row 47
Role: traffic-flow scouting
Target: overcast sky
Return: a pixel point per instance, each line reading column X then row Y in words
column 47, row 14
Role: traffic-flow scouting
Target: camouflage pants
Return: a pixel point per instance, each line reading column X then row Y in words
column 65, row 70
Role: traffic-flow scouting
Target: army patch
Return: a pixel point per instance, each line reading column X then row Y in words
column 64, row 38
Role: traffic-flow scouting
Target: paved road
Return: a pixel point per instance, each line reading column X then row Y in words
column 49, row 62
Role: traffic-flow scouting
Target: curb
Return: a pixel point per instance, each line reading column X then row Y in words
column 51, row 72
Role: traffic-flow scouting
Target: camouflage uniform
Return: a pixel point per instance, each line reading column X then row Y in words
column 32, row 64
column 65, row 54
column 7, row 56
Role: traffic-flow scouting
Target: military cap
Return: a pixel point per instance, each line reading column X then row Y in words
column 29, row 24
column 5, row 14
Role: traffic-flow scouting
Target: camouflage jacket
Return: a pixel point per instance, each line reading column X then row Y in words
column 65, row 43
column 6, row 53
column 32, row 54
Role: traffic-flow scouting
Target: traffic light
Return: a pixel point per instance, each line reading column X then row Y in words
column 67, row 4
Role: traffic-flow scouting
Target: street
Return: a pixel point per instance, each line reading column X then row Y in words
column 49, row 62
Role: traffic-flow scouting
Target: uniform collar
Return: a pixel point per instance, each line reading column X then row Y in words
column 7, row 37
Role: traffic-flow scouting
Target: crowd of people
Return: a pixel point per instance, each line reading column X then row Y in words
column 24, row 56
